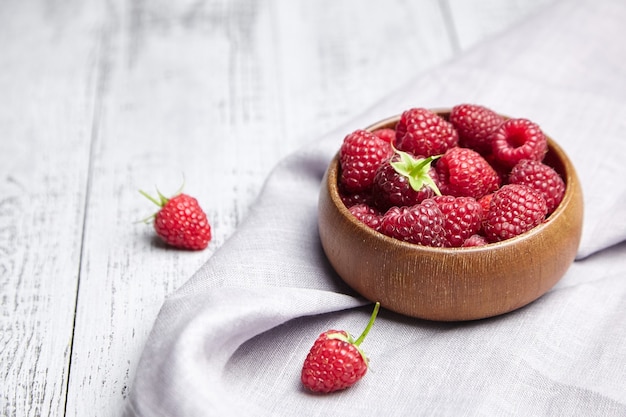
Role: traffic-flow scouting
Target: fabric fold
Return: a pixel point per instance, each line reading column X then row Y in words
column 203, row 332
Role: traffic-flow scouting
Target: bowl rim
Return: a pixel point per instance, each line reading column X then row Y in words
column 553, row 148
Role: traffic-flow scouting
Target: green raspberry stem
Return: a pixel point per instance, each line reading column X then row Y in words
column 162, row 201
column 369, row 325
column 149, row 197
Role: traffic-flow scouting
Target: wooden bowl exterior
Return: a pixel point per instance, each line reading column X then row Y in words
column 452, row 284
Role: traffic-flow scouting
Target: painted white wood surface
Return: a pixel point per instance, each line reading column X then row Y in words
column 47, row 94
column 101, row 98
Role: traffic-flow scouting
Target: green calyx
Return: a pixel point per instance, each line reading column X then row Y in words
column 160, row 201
column 349, row 339
column 416, row 170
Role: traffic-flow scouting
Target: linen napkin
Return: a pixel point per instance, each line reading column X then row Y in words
column 231, row 341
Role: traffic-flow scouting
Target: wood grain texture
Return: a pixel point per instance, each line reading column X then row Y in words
column 473, row 21
column 101, row 98
column 47, row 88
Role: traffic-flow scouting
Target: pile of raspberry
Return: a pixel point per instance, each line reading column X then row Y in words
column 467, row 179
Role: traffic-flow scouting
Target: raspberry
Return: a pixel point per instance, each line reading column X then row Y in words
column 421, row 224
column 350, row 199
column 485, row 202
column 542, row 178
column 463, row 218
column 336, row 361
column 386, row 134
column 474, row 240
column 367, row 215
column 518, row 139
column 422, row 132
column 501, row 169
column 394, row 189
column 360, row 156
column 181, row 222
column 463, row 172
column 475, row 124
column 514, row 209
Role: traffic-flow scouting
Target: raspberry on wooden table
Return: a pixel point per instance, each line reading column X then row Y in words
column 181, row 222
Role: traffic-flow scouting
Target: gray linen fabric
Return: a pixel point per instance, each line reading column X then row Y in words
column 232, row 340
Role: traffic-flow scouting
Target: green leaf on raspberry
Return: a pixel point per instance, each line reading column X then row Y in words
column 417, row 170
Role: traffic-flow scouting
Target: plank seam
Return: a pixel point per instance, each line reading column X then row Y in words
column 102, row 70
column 450, row 26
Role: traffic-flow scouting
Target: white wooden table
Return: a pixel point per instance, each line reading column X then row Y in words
column 101, row 98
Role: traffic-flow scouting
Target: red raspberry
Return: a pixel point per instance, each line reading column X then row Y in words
column 514, row 209
column 463, row 172
column 542, row 178
column 386, row 134
column 181, row 222
column 367, row 215
column 336, row 361
column 463, row 218
column 350, row 199
column 474, row 240
column 475, row 124
column 518, row 139
column 422, row 132
column 394, row 189
column 501, row 169
column 421, row 224
column 360, row 156
column 485, row 202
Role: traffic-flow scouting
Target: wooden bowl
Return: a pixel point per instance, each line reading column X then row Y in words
column 452, row 284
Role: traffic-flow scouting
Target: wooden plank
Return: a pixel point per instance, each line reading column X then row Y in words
column 337, row 59
column 47, row 90
column 476, row 20
column 219, row 91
